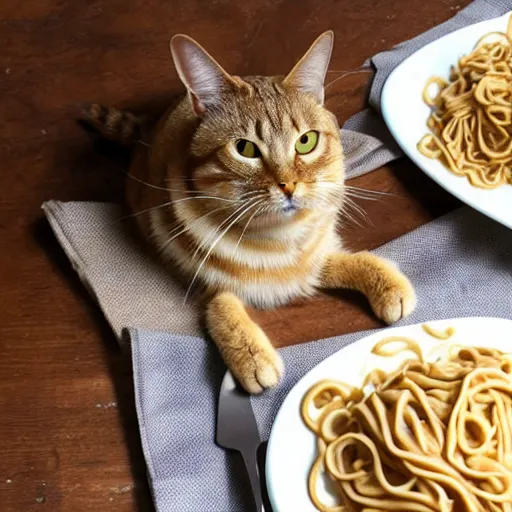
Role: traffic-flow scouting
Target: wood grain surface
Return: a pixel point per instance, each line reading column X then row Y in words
column 68, row 431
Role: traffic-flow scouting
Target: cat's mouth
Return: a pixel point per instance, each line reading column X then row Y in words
column 289, row 209
column 285, row 210
column 289, row 206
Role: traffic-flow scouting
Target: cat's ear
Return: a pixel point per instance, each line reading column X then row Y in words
column 308, row 74
column 203, row 77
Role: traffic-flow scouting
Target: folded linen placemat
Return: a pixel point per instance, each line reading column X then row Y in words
column 460, row 265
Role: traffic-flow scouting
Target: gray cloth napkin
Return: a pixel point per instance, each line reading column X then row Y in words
column 132, row 289
column 460, row 265
column 367, row 144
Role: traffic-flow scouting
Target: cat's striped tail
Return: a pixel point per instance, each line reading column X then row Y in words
column 117, row 125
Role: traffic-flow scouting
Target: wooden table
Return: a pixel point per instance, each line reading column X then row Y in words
column 68, row 430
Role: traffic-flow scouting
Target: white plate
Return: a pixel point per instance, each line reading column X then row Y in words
column 406, row 114
column 292, row 447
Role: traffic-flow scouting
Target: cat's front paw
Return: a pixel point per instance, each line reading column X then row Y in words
column 246, row 350
column 256, row 365
column 395, row 299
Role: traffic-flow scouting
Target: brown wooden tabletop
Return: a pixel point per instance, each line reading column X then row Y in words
column 68, row 431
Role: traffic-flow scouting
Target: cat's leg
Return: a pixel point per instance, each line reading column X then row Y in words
column 389, row 292
column 245, row 348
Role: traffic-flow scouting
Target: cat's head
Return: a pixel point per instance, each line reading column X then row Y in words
column 267, row 143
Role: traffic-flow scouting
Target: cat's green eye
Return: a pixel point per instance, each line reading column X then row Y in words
column 307, row 142
column 247, row 148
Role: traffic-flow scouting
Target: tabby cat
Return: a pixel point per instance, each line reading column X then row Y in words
column 241, row 185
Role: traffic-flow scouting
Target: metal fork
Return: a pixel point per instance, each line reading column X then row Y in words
column 237, row 430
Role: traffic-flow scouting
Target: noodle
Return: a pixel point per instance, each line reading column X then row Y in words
column 448, row 333
column 471, row 119
column 379, row 348
column 430, row 437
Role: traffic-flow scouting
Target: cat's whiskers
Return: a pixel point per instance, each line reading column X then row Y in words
column 343, row 203
column 169, row 203
column 247, row 195
column 353, row 204
column 151, row 185
column 348, row 73
column 205, row 241
column 347, row 203
column 181, row 180
column 364, row 198
column 213, row 245
column 350, row 203
column 138, row 180
column 183, row 199
column 327, row 196
column 181, row 229
column 247, row 225
column 367, row 192
column 346, row 215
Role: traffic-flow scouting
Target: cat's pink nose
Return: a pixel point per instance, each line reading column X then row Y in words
column 288, row 188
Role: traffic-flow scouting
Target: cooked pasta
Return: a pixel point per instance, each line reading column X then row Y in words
column 471, row 119
column 430, row 437
column 447, row 334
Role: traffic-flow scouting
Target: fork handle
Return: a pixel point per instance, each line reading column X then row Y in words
column 251, row 465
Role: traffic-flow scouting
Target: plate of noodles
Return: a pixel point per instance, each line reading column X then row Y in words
column 415, row 418
column 449, row 107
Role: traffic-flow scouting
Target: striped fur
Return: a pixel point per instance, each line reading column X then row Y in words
column 224, row 221
column 117, row 125
column 280, row 256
